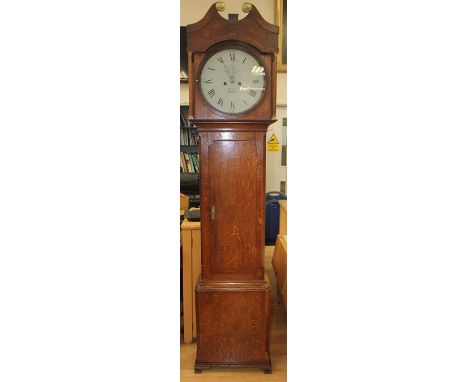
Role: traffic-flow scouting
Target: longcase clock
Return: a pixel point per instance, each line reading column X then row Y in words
column 232, row 90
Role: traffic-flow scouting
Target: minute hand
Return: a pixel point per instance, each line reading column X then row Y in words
column 231, row 77
column 229, row 73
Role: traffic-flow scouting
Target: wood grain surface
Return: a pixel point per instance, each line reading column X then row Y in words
column 232, row 327
column 233, row 298
column 278, row 348
column 232, row 194
column 252, row 33
column 232, row 182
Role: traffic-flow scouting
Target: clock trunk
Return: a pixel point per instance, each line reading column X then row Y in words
column 232, row 202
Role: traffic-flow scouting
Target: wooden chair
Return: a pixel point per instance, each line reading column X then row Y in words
column 279, row 262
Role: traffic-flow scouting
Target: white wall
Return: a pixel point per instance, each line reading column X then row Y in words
column 192, row 11
column 275, row 173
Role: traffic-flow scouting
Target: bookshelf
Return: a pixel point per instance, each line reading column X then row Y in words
column 189, row 159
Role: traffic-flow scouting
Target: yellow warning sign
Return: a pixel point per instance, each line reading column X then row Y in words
column 273, row 143
column 273, row 140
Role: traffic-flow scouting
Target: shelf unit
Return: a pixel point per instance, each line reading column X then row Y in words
column 189, row 159
column 189, row 149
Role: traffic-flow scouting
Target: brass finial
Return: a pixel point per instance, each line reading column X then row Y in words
column 220, row 6
column 246, row 7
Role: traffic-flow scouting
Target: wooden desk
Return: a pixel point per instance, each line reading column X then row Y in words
column 283, row 223
column 191, row 249
column 280, row 254
column 184, row 202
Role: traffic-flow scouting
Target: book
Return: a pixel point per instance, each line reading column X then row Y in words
column 182, row 162
column 187, row 162
column 192, row 160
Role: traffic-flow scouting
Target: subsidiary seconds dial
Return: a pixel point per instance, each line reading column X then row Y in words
column 232, row 81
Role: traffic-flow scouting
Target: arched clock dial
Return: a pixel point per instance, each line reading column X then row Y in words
column 232, row 81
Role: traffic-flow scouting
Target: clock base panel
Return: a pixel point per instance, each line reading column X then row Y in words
column 233, row 326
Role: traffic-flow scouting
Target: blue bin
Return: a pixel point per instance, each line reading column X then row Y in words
column 272, row 216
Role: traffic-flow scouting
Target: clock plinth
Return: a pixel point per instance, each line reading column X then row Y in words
column 232, row 71
column 234, row 325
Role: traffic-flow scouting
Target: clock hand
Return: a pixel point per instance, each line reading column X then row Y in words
column 231, row 77
column 232, row 69
column 233, row 72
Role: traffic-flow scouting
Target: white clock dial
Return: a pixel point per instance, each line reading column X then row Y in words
column 232, row 81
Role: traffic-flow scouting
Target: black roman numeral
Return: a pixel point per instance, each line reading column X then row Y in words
column 208, row 81
column 232, row 106
column 244, row 59
column 233, row 56
column 212, row 93
column 253, row 93
column 220, row 60
column 220, row 102
column 245, row 102
column 211, row 68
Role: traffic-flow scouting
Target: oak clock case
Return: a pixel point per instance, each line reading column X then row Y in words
column 233, row 294
column 232, row 79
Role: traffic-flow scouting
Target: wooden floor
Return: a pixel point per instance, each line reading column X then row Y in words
column 277, row 348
